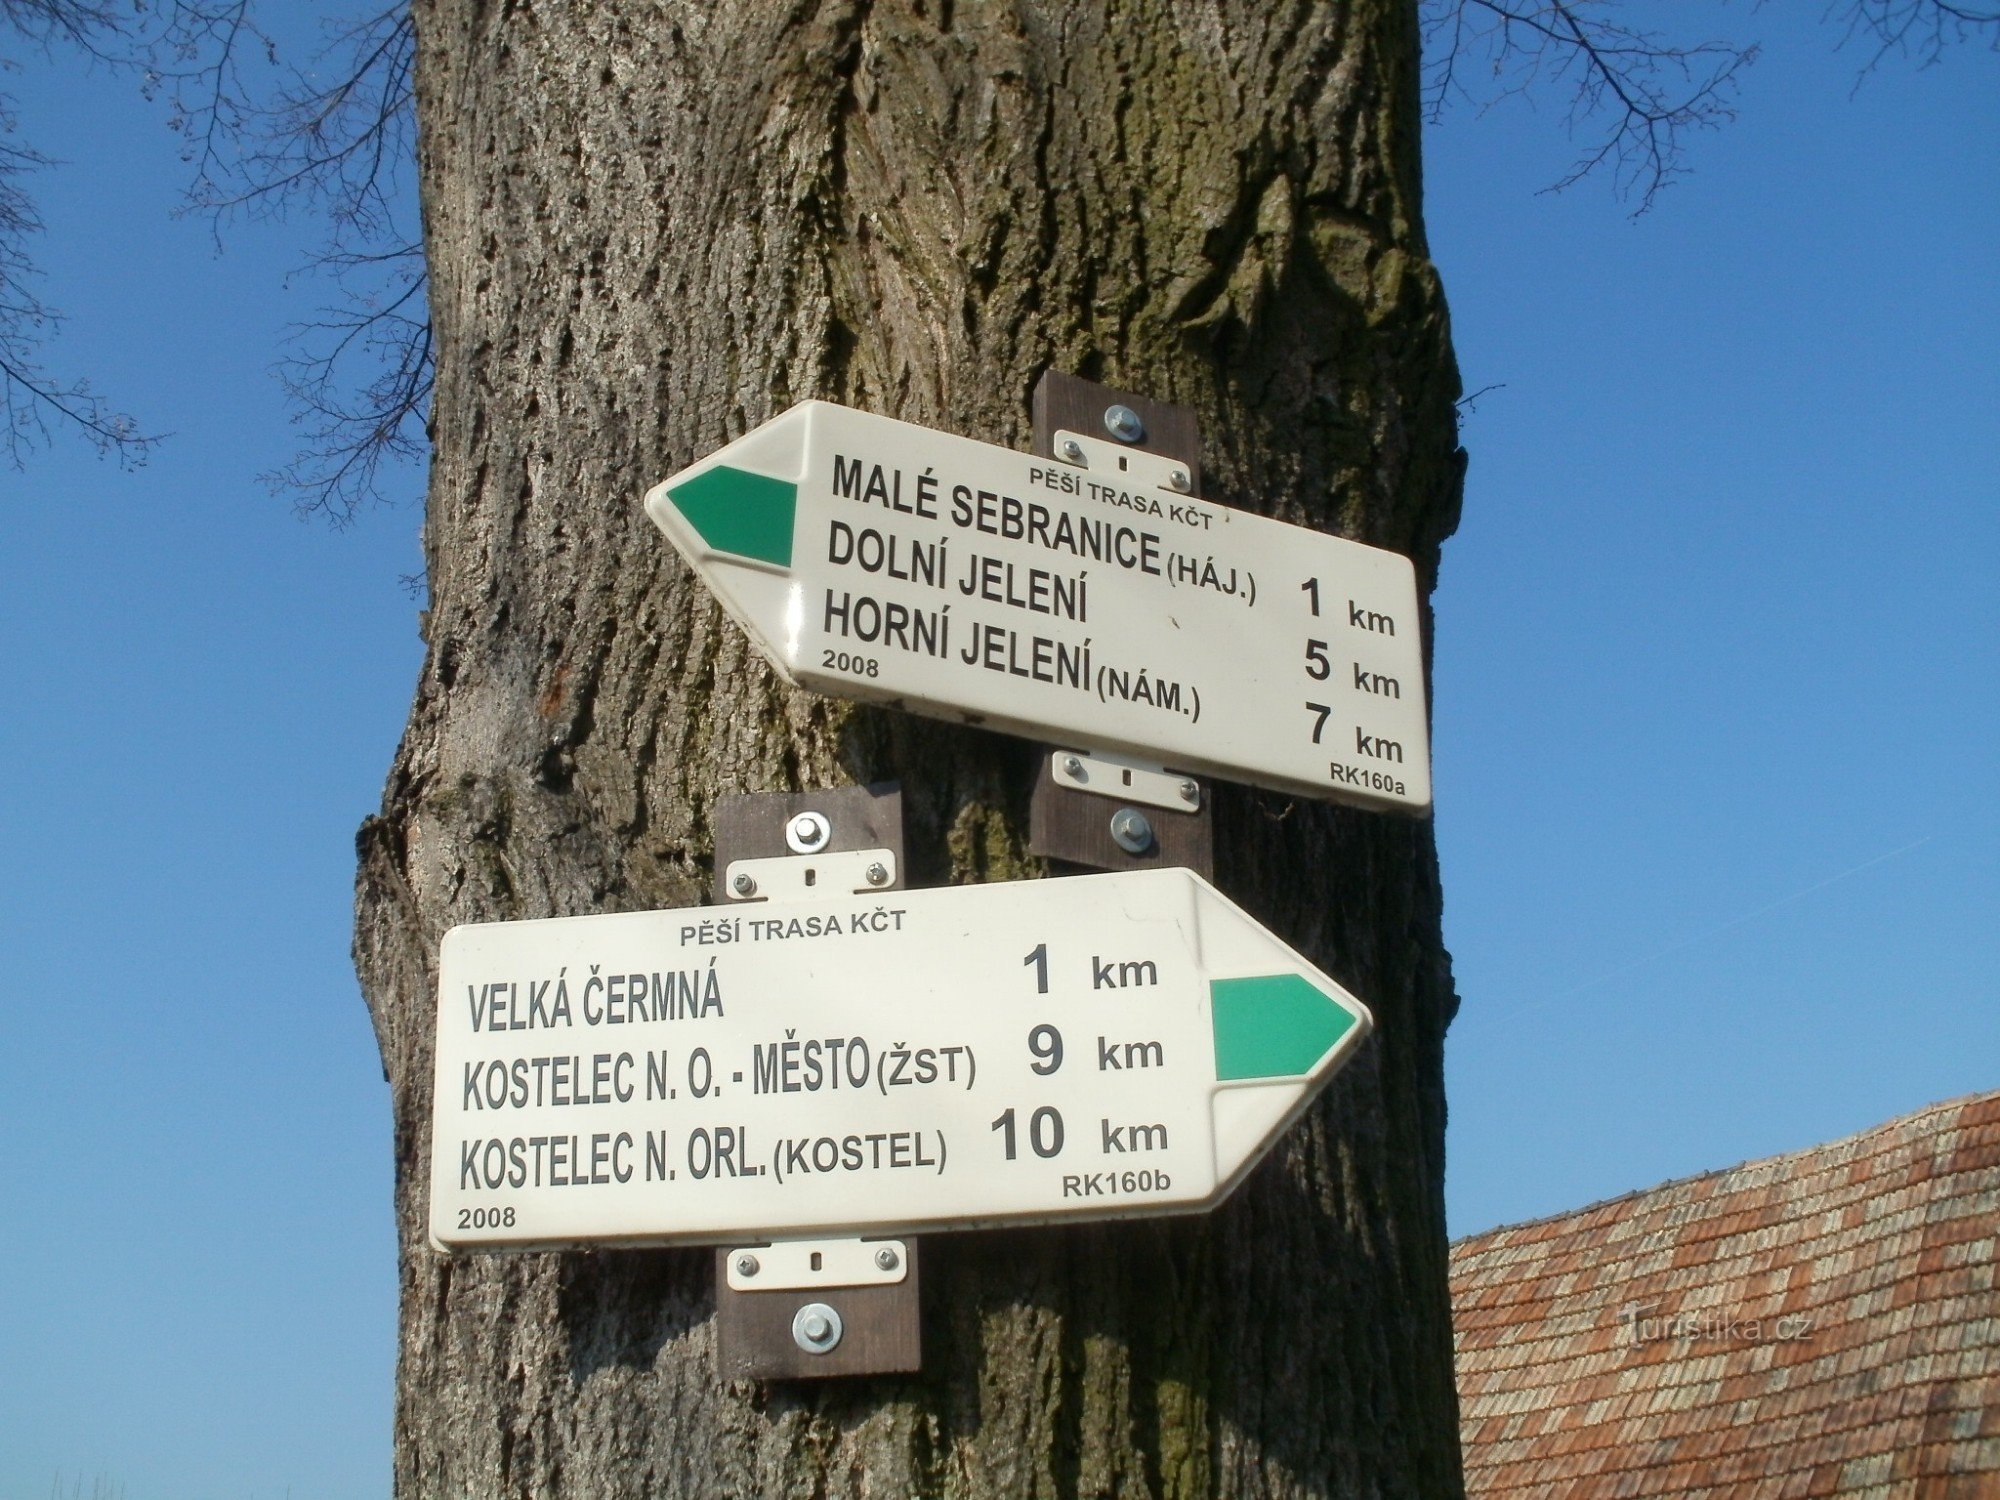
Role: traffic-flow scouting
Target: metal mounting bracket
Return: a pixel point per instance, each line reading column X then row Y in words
column 1122, row 465
column 802, row 1309
column 817, row 1265
column 1126, row 780
column 837, row 831
column 1152, row 818
column 1104, row 830
column 782, row 1321
column 1067, row 403
column 800, row 877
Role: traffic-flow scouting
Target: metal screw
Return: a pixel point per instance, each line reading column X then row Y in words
column 1123, row 423
column 808, row 833
column 878, row 874
column 1178, row 479
column 1190, row 791
column 743, row 885
column 746, row 1265
column 1072, row 450
column 1130, row 831
column 816, row 1328
column 886, row 1258
column 1073, row 764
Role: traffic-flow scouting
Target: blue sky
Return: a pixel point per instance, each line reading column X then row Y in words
column 1717, row 708
column 1718, row 660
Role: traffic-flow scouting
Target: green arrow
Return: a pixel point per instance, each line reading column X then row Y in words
column 736, row 511
column 1272, row 1026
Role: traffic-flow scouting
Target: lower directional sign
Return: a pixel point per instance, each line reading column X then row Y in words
column 1096, row 1047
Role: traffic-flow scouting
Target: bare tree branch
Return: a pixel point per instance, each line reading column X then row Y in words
column 1633, row 96
column 340, row 148
column 84, row 24
column 262, row 139
column 1914, row 28
column 360, row 380
column 361, row 393
column 33, row 400
column 1469, row 405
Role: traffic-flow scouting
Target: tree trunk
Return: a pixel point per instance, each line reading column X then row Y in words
column 651, row 227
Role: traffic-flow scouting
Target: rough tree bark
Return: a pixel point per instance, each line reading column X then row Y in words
column 652, row 226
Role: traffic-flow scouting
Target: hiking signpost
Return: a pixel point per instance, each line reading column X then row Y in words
column 825, row 1061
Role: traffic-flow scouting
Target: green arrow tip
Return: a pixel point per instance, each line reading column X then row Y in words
column 1273, row 1025
column 736, row 511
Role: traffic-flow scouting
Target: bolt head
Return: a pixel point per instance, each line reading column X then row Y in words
column 1073, row 765
column 1123, row 423
column 1178, row 478
column 878, row 874
column 816, row 1328
column 1190, row 790
column 886, row 1258
column 808, row 833
column 1072, row 450
column 1131, row 830
column 743, row 885
column 746, row 1265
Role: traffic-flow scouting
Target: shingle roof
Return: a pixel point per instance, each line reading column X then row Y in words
column 1825, row 1323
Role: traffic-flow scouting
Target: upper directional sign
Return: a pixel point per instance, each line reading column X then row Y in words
column 1087, row 603
column 1097, row 1047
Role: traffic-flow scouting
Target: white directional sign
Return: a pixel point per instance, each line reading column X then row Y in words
column 1086, row 602
column 1096, row 1047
